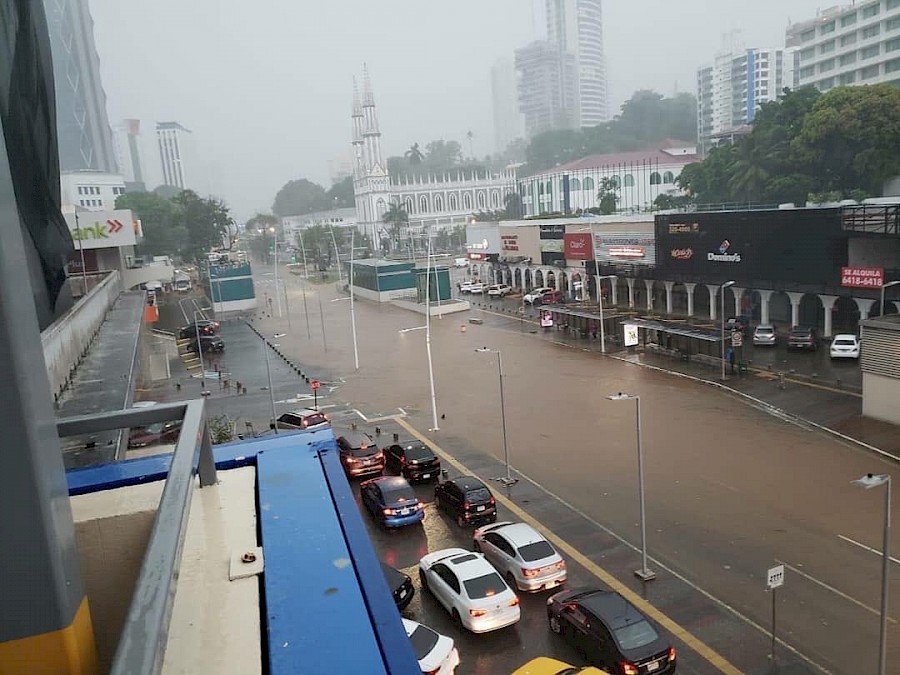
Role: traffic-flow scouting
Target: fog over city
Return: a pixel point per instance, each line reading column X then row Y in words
column 267, row 91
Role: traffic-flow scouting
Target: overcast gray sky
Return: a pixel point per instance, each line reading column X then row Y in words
column 266, row 86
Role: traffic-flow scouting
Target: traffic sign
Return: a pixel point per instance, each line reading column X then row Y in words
column 737, row 338
column 775, row 577
column 314, row 384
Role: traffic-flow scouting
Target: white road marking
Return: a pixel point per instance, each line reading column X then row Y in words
column 833, row 590
column 867, row 548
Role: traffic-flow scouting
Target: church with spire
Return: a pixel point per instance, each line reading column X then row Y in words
column 432, row 201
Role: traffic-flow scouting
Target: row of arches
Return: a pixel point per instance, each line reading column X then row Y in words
column 480, row 200
column 588, row 184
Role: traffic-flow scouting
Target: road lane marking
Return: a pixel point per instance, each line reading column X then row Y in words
column 867, row 548
column 833, row 590
column 688, row 638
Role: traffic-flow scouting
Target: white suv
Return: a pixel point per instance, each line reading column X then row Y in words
column 535, row 294
column 499, row 290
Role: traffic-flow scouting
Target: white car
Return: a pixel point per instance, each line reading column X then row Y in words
column 845, row 347
column 765, row 335
column 461, row 262
column 535, row 294
column 470, row 589
column 474, row 287
column 499, row 290
column 527, row 560
column 435, row 653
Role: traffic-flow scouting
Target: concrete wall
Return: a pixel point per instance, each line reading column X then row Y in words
column 67, row 339
column 880, row 396
column 876, row 252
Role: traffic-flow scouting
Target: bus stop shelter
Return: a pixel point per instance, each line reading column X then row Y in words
column 583, row 323
column 679, row 339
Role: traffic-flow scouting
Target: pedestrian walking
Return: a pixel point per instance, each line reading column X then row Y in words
column 730, row 356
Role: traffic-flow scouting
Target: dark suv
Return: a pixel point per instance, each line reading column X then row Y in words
column 803, row 337
column 360, row 454
column 209, row 343
column 741, row 323
column 467, row 499
column 413, row 460
column 203, row 326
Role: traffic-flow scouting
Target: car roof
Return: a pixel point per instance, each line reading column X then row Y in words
column 519, row 534
column 390, row 483
column 357, row 438
column 765, row 326
column 845, row 336
column 304, row 412
column 466, row 483
column 612, row 608
column 468, row 565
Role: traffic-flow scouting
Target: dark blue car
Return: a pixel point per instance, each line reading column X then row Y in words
column 392, row 501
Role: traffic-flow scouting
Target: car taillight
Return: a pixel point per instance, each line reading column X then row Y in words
column 492, row 502
column 475, row 613
column 351, row 460
column 304, row 423
column 561, row 565
column 529, row 573
column 388, row 512
column 513, row 603
column 379, row 455
column 420, row 506
column 466, row 505
column 629, row 668
column 671, row 654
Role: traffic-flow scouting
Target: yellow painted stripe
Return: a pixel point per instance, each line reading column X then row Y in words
column 67, row 651
column 688, row 638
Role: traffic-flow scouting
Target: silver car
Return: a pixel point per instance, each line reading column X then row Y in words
column 527, row 560
column 764, row 335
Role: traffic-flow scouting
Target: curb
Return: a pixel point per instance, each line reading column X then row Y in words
column 765, row 406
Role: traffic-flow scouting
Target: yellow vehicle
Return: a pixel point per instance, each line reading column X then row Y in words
column 544, row 665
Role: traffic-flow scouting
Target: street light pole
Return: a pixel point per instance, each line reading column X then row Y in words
column 722, row 321
column 269, row 377
column 509, row 480
column 277, row 291
column 337, row 255
column 306, row 278
column 84, row 269
column 352, row 309
column 434, row 419
column 645, row 573
column 868, row 482
column 200, row 350
column 883, row 286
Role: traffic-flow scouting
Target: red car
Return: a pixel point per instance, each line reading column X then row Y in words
column 160, row 432
column 551, row 297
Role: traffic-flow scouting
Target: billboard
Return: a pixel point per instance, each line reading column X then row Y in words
column 103, row 229
column 578, row 247
column 799, row 245
column 862, row 277
column 625, row 247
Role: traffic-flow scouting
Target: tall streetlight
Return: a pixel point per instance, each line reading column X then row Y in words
column 200, row 349
column 509, row 480
column 275, row 247
column 305, row 307
column 337, row 255
column 84, row 268
column 883, row 286
column 434, row 419
column 600, row 299
column 722, row 320
column 868, row 482
column 645, row 574
column 269, row 376
column 352, row 309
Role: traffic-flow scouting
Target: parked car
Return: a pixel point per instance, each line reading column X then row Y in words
column 527, row 560
column 741, row 323
column 466, row 499
column 203, row 326
column 435, row 653
column 764, row 335
column 544, row 665
column 460, row 262
column 549, row 297
column 472, row 591
column 360, row 454
column 477, row 287
column 499, row 290
column 611, row 632
column 535, row 294
column 391, row 501
column 305, row 418
column 209, row 343
column 803, row 337
column 400, row 585
column 153, row 434
column 413, row 460
column 844, row 346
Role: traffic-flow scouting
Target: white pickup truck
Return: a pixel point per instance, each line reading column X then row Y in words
column 472, row 287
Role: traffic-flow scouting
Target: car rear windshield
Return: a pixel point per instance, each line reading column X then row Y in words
column 800, row 333
column 765, row 330
column 484, row 587
column 846, row 341
column 399, row 495
column 635, row 635
column 536, row 551
column 315, row 418
column 478, row 495
column 423, row 641
column 364, row 452
column 418, row 452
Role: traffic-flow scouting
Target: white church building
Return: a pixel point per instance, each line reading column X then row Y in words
column 431, row 201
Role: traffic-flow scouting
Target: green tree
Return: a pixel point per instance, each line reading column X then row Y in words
column 607, row 196
column 298, row 197
column 316, row 242
column 208, row 222
column 441, row 155
column 341, row 195
column 164, row 233
column 749, row 175
column 514, row 208
column 414, row 155
column 395, row 218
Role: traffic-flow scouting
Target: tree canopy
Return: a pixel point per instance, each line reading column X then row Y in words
column 807, row 146
column 302, row 196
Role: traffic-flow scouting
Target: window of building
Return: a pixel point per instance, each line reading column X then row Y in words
column 868, row 72
column 847, row 78
column 826, row 65
column 847, row 59
column 588, row 184
column 668, row 177
column 574, row 185
column 423, row 204
column 479, row 198
column 892, row 66
column 826, row 84
column 614, row 182
column 826, row 28
column 467, row 201
column 892, row 24
column 808, row 35
column 495, row 200
column 871, row 10
column 892, row 45
column 848, row 19
column 892, row 4
column 629, row 180
column 871, row 31
column 453, row 202
column 848, row 40
column 438, row 203
column 807, row 71
column 409, row 205
column 826, row 47
column 655, row 178
column 869, row 52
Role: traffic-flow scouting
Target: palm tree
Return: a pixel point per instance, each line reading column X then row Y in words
column 414, row 155
column 750, row 176
column 395, row 218
column 470, row 136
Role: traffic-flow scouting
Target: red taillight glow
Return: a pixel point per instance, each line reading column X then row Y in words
column 561, row 565
column 420, row 506
column 388, row 512
column 529, row 573
column 466, row 505
column 475, row 613
column 671, row 654
column 493, row 501
column 629, row 668
column 514, row 602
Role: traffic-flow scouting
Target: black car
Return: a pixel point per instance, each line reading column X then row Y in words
column 413, row 460
column 741, row 323
column 360, row 454
column 803, row 337
column 203, row 326
column 209, row 343
column 611, row 632
column 400, row 584
column 467, row 499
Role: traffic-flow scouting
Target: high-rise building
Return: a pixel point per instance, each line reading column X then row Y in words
column 173, row 141
column 548, row 88
column 848, row 45
column 508, row 122
column 730, row 90
column 576, row 26
column 127, row 142
column 85, row 138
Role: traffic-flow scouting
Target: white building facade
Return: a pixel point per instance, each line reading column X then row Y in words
column 849, row 45
column 434, row 201
column 508, row 121
column 730, row 90
column 576, row 27
column 90, row 190
column 127, row 144
column 173, row 141
column 548, row 88
column 638, row 178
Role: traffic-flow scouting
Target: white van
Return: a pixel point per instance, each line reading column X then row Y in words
column 461, row 262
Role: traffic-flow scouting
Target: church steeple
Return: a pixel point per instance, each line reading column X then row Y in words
column 370, row 132
column 358, row 143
